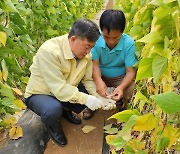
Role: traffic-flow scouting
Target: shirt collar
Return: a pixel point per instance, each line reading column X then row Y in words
column 119, row 46
column 66, row 47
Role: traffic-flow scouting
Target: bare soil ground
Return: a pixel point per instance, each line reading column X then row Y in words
column 79, row 142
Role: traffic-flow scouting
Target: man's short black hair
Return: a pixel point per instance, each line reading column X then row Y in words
column 85, row 28
column 113, row 19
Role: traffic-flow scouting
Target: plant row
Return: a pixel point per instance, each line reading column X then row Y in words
column 152, row 124
column 24, row 26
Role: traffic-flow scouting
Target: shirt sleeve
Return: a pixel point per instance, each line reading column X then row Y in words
column 88, row 81
column 54, row 79
column 95, row 54
column 130, row 57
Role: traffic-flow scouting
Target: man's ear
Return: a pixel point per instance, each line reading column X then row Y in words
column 73, row 38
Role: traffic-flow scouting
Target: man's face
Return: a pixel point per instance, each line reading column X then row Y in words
column 112, row 38
column 80, row 47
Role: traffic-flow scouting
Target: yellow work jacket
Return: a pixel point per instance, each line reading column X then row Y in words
column 55, row 72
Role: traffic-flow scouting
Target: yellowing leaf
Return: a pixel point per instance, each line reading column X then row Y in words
column 126, row 135
column 145, row 123
column 7, row 121
column 13, row 120
column 167, row 88
column 19, row 132
column 152, row 38
column 17, row 91
column 171, row 133
column 3, row 38
column 123, row 116
column 1, row 76
column 12, row 132
column 19, row 104
column 110, row 138
column 15, row 132
column 144, row 69
column 137, row 144
column 5, row 75
column 86, row 129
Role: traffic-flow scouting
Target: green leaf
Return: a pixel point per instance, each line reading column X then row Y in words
column 169, row 1
column 152, row 38
column 141, row 105
column 166, row 43
column 18, row 51
column 129, row 150
column 4, row 70
column 144, row 69
column 159, row 65
column 17, row 29
column 51, row 32
column 129, row 124
column 51, row 10
column 139, row 96
column 116, row 141
column 16, row 19
column 112, row 131
column 9, row 6
column 171, row 133
column 145, row 123
column 6, row 91
column 175, row 15
column 2, row 111
column 156, row 2
column 168, row 102
column 162, row 12
column 122, row 116
column 8, row 102
column 136, row 32
column 162, row 143
column 24, row 79
column 143, row 152
column 107, row 127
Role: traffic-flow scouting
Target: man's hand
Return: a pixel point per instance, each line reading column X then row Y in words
column 93, row 103
column 117, row 94
column 108, row 103
column 101, row 89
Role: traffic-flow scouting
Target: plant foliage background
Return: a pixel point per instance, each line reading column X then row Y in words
column 152, row 124
column 24, row 26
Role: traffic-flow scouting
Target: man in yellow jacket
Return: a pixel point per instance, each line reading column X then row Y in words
column 59, row 66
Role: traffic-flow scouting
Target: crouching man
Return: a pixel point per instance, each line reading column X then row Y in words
column 58, row 68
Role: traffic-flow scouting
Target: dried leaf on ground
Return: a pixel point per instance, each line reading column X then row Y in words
column 86, row 129
column 15, row 132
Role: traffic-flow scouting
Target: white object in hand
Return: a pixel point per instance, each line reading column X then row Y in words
column 108, row 103
column 93, row 103
column 110, row 90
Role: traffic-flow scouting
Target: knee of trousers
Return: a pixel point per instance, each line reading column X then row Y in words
column 52, row 114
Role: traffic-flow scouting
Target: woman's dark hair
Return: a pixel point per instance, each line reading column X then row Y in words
column 113, row 19
column 85, row 28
